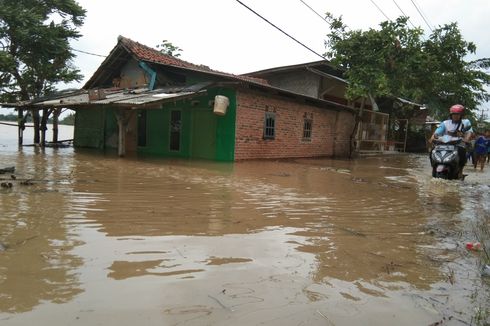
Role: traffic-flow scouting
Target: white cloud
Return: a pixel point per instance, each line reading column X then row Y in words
column 225, row 36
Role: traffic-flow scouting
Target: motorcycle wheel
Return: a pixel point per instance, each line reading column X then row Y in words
column 441, row 175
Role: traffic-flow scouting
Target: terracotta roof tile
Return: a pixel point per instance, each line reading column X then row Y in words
column 145, row 53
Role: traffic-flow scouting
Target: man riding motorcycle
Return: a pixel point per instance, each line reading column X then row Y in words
column 456, row 126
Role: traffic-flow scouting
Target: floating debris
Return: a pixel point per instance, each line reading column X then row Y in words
column 485, row 271
column 475, row 246
column 6, row 185
column 10, row 169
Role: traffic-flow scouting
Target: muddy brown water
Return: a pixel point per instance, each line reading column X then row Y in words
column 98, row 240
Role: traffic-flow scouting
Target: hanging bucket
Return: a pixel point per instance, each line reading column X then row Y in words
column 220, row 104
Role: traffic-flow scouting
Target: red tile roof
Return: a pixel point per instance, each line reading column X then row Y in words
column 145, row 53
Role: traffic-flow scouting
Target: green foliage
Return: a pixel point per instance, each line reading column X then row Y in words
column 35, row 53
column 68, row 120
column 169, row 49
column 8, row 117
column 395, row 60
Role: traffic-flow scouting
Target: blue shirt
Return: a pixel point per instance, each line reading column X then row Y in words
column 481, row 145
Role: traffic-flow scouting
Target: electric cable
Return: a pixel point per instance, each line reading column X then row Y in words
column 291, row 37
column 405, row 15
column 420, row 13
column 98, row 55
column 323, row 18
column 374, row 3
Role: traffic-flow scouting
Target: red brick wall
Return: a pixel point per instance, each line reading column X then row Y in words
column 329, row 138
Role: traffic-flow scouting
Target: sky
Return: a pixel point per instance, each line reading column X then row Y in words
column 226, row 36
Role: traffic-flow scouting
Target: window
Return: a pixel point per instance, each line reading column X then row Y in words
column 175, row 128
column 142, row 128
column 269, row 125
column 307, row 124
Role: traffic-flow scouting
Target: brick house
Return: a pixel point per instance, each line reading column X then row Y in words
column 383, row 123
column 140, row 100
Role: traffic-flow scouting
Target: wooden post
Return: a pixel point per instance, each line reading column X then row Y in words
column 21, row 125
column 406, row 135
column 56, row 115
column 121, row 139
column 122, row 117
column 36, row 122
column 359, row 124
column 43, row 126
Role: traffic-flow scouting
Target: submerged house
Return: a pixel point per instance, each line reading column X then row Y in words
column 324, row 81
column 142, row 101
column 382, row 124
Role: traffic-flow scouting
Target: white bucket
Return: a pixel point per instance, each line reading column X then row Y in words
column 220, row 104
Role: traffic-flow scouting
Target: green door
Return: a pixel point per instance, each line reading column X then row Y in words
column 203, row 134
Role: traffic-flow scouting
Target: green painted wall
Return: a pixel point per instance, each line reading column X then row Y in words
column 95, row 128
column 89, row 128
column 111, row 129
column 225, row 126
column 203, row 135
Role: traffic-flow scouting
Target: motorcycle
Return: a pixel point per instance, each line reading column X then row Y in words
column 445, row 159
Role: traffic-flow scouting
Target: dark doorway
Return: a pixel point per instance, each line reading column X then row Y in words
column 142, row 128
column 175, row 128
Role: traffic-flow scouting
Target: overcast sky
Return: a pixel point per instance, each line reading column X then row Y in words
column 226, row 36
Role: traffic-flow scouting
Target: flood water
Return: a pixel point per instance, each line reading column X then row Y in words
column 100, row 240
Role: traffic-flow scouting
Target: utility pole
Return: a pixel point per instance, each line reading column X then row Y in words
column 482, row 110
column 481, row 120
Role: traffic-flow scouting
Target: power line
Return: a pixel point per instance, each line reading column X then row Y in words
column 97, row 55
column 374, row 3
column 306, row 47
column 423, row 13
column 323, row 18
column 396, row 3
column 420, row 13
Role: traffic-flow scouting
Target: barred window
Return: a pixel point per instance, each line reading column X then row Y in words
column 307, row 126
column 269, row 125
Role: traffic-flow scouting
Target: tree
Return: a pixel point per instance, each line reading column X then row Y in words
column 35, row 52
column 68, row 120
column 395, row 60
column 169, row 49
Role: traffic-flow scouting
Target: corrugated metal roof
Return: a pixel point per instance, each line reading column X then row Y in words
column 137, row 97
column 141, row 99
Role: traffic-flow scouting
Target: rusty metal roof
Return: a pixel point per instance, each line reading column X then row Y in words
column 138, row 98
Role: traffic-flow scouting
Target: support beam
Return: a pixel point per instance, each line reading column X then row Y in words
column 21, row 125
column 36, row 120
column 360, row 124
column 56, row 115
column 122, row 116
column 44, row 125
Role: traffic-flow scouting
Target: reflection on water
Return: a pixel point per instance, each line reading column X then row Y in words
column 96, row 236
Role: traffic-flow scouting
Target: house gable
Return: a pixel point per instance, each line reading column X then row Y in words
column 316, row 79
column 132, row 75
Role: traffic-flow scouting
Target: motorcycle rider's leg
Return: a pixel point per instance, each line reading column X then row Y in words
column 462, row 161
